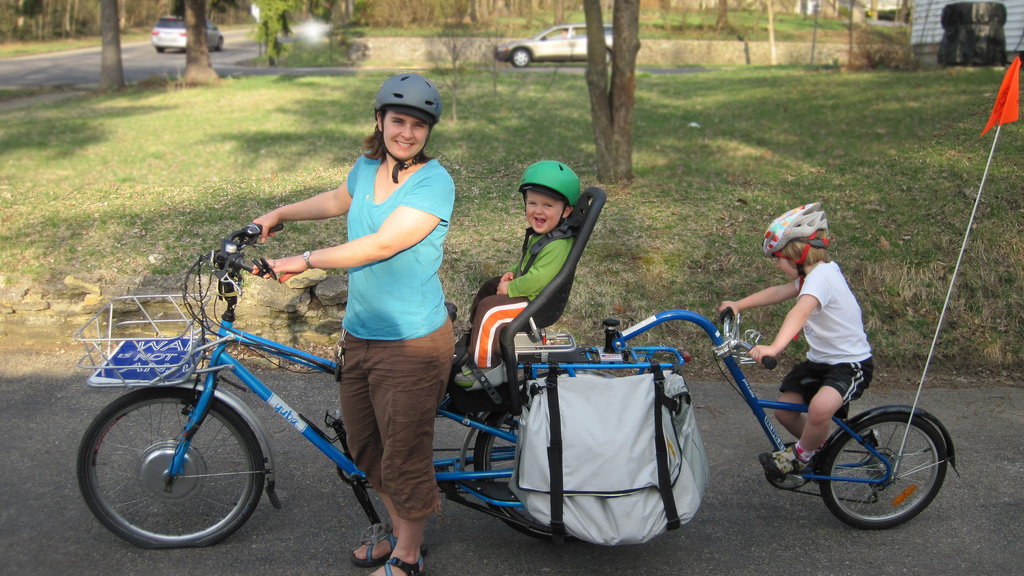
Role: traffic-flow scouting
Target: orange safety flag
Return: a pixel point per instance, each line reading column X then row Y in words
column 1007, row 105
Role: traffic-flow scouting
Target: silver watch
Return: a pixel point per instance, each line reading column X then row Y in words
column 305, row 256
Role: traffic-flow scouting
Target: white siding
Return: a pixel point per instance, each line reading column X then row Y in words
column 926, row 27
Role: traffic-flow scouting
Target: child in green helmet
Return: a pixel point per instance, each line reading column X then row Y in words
column 550, row 189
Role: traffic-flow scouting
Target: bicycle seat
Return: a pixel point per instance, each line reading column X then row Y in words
column 541, row 312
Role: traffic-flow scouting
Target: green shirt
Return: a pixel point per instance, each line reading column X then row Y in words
column 549, row 261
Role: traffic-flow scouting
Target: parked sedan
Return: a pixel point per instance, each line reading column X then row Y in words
column 169, row 33
column 562, row 43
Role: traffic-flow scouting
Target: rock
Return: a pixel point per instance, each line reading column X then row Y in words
column 333, row 291
column 35, row 306
column 12, row 294
column 281, row 297
column 306, row 279
column 82, row 286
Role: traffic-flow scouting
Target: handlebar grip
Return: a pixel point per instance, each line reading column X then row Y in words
column 253, row 231
column 727, row 314
column 769, row 362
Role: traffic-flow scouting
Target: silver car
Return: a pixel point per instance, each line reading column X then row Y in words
column 169, row 33
column 562, row 43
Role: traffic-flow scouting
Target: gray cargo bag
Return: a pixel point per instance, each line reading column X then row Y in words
column 610, row 460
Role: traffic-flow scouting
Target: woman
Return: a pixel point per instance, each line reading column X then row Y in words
column 398, row 340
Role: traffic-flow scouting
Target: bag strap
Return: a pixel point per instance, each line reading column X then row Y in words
column 555, row 458
column 661, row 449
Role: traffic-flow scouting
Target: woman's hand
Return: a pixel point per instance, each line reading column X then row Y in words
column 267, row 221
column 285, row 268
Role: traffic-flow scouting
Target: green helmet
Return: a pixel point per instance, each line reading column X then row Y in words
column 552, row 178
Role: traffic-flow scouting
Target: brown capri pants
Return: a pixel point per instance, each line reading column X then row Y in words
column 390, row 392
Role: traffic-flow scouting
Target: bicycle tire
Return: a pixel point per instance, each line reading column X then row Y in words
column 125, row 452
column 916, row 482
column 493, row 453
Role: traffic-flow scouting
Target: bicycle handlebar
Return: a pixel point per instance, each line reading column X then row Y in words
column 231, row 257
column 726, row 317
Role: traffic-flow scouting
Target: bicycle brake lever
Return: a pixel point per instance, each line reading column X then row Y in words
column 263, row 267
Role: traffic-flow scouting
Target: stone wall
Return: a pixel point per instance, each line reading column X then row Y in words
column 308, row 309
column 419, row 52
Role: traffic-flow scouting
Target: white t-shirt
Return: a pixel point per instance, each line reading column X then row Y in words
column 835, row 329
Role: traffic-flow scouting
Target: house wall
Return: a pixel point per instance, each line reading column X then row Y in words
column 926, row 29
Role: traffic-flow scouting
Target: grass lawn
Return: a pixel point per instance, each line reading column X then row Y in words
column 142, row 181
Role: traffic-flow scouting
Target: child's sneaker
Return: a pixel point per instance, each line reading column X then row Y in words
column 778, row 464
column 465, row 378
column 495, row 375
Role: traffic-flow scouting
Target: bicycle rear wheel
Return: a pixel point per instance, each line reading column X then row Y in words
column 493, row 453
column 127, row 450
column 917, row 476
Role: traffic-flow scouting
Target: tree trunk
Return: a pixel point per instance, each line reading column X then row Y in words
column 198, row 69
column 771, row 32
column 723, row 14
column 612, row 108
column 111, row 71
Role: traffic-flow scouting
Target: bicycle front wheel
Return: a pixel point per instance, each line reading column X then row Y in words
column 917, row 475
column 127, row 450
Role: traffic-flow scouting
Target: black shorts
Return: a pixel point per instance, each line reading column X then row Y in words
column 850, row 379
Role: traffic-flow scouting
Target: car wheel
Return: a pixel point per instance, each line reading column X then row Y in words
column 220, row 44
column 521, row 57
column 160, row 50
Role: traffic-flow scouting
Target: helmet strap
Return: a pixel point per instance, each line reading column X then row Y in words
column 399, row 166
column 810, row 242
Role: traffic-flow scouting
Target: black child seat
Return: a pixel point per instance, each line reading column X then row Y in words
column 540, row 313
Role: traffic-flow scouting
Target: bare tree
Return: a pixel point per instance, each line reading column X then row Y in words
column 198, row 69
column 611, row 104
column 111, row 70
column 457, row 48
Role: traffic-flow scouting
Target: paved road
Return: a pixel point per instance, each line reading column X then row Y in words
column 81, row 68
column 744, row 526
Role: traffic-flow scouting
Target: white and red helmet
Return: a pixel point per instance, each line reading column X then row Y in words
column 802, row 224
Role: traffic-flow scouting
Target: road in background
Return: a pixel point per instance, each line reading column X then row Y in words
column 140, row 61
column 743, row 527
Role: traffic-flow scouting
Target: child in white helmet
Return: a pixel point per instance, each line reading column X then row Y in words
column 838, row 368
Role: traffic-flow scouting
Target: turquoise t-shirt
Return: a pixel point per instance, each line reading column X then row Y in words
column 401, row 297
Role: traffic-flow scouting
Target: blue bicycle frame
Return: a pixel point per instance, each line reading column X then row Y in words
column 756, row 405
column 220, row 359
column 634, row 358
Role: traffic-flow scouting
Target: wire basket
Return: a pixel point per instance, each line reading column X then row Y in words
column 139, row 341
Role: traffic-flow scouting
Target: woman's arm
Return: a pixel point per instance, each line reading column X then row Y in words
column 404, row 228
column 320, row 207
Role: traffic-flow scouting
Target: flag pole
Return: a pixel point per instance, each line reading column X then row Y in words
column 1004, row 111
column 956, row 270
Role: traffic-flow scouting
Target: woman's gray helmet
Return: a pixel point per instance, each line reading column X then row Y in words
column 410, row 94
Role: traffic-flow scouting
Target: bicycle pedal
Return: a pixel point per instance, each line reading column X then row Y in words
column 788, row 482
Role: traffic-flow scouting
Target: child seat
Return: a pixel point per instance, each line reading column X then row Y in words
column 541, row 312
